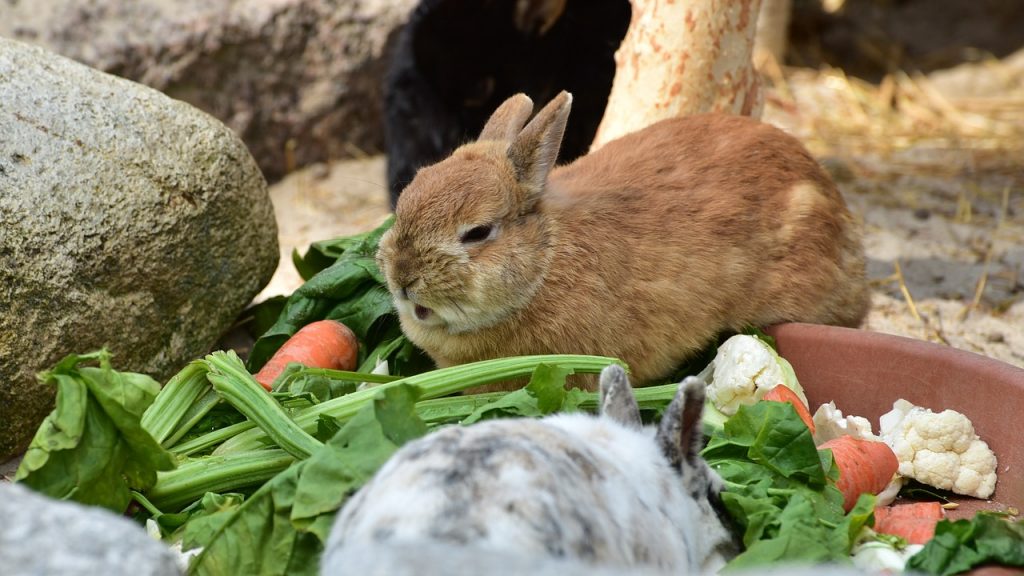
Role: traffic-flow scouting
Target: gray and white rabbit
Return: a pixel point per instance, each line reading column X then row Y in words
column 601, row 491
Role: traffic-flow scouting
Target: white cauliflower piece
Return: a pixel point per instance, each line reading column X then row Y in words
column 829, row 423
column 745, row 369
column 877, row 557
column 939, row 449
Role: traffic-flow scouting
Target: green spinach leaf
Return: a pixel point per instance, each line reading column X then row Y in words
column 343, row 283
column 92, row 448
column 961, row 545
column 780, row 490
column 544, row 394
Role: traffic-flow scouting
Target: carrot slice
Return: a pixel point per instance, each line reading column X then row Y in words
column 322, row 344
column 865, row 466
column 914, row 522
column 782, row 393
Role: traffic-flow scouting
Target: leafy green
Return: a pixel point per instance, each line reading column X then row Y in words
column 344, row 284
column 780, row 490
column 766, row 434
column 282, row 527
column 92, row 448
column 961, row 545
column 207, row 517
column 323, row 383
column 544, row 394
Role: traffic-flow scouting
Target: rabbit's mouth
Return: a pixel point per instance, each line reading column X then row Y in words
column 423, row 315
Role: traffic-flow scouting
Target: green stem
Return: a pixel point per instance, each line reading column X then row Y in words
column 211, row 439
column 236, row 386
column 145, row 503
column 193, row 478
column 194, row 414
column 343, row 375
column 174, row 400
column 432, row 384
column 440, row 410
column 454, row 409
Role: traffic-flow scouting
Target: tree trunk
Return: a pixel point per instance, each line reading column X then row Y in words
column 682, row 57
column 772, row 30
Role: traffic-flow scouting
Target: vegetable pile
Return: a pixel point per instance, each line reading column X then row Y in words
column 244, row 466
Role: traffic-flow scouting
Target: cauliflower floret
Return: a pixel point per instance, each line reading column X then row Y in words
column 829, row 423
column 745, row 369
column 939, row 449
column 878, row 557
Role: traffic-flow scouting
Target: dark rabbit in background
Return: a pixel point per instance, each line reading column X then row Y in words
column 455, row 61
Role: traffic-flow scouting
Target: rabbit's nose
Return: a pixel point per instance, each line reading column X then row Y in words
column 404, row 288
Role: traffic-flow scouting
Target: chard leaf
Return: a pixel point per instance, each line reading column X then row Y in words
column 768, row 434
column 780, row 490
column 962, row 545
column 282, row 527
column 208, row 516
column 798, row 538
column 343, row 283
column 544, row 394
column 92, row 448
column 360, row 311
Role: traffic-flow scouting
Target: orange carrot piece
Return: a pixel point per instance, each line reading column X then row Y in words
column 865, row 466
column 322, row 344
column 932, row 510
column 783, row 393
column 914, row 522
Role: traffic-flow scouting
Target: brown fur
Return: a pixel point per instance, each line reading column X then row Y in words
column 645, row 250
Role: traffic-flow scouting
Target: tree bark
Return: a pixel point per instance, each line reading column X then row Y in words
column 682, row 57
column 772, row 30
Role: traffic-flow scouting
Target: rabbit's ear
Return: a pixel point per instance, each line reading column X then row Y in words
column 534, row 151
column 680, row 432
column 617, row 400
column 508, row 119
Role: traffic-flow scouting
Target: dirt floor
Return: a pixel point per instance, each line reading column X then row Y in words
column 938, row 181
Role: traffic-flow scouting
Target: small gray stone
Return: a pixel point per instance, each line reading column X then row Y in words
column 39, row 535
column 127, row 220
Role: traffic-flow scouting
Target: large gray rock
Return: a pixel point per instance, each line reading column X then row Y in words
column 305, row 71
column 39, row 535
column 127, row 220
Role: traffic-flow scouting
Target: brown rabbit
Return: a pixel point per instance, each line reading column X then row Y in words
column 644, row 250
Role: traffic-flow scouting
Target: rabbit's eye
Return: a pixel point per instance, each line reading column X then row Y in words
column 477, row 234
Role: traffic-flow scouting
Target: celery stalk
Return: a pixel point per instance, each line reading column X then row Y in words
column 174, row 401
column 237, row 386
column 193, row 478
column 432, row 384
column 192, row 416
column 210, row 439
column 457, row 408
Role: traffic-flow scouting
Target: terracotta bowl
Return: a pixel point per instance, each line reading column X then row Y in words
column 865, row 372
